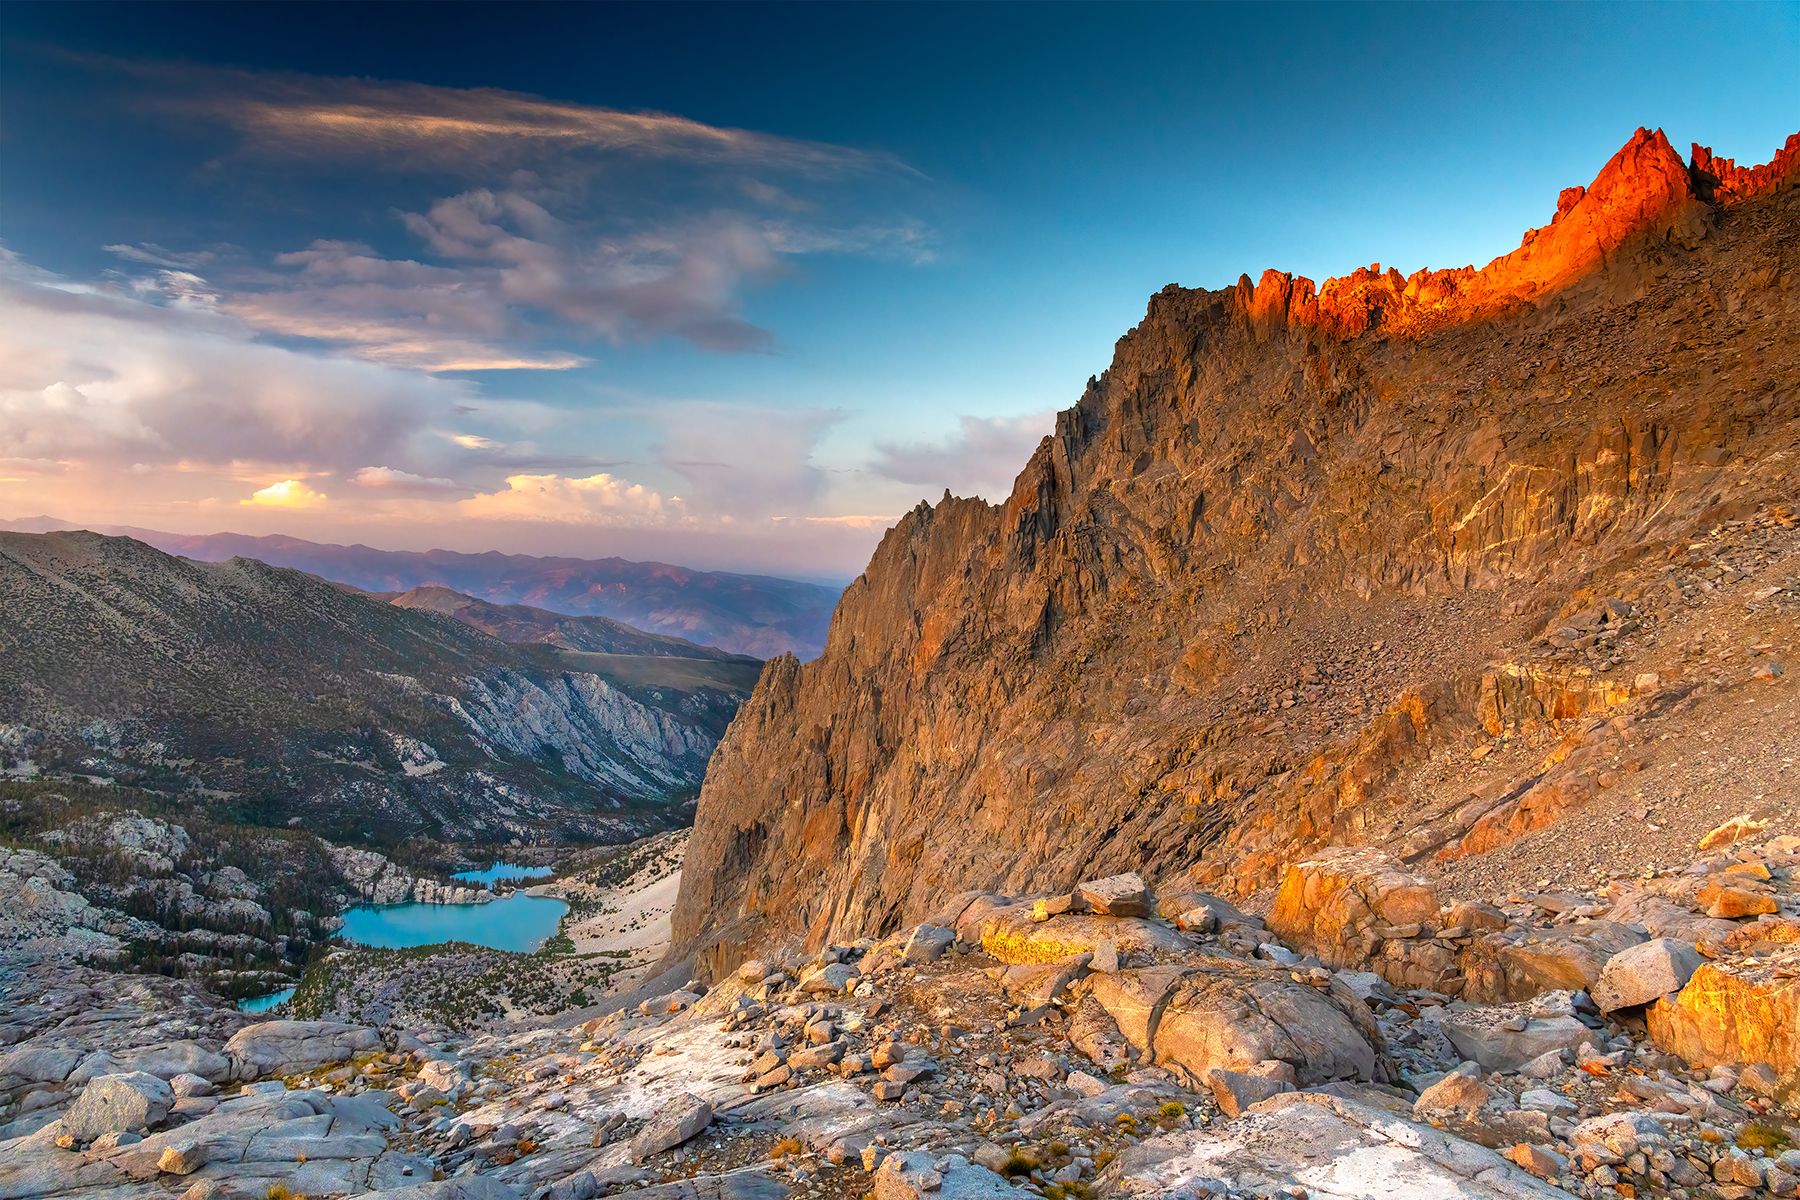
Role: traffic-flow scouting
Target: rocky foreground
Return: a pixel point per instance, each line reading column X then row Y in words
column 1364, row 1039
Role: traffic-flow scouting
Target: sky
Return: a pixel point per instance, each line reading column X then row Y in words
column 729, row 286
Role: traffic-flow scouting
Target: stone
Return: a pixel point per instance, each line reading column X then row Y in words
column 1484, row 1036
column 1116, row 895
column 1722, row 900
column 1545, row 1164
column 185, row 1086
column 1009, row 935
column 1546, row 1101
column 1644, row 973
column 928, row 943
column 1237, row 1090
column 290, row 1047
column 182, row 1158
column 1216, row 1012
column 674, row 1122
column 1733, row 1012
column 831, row 979
column 1734, row 830
column 1461, row 1093
column 118, row 1104
column 917, row 1176
column 1317, row 1144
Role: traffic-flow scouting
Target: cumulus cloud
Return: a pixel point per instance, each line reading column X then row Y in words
column 391, row 479
column 288, row 493
column 601, row 499
column 983, row 457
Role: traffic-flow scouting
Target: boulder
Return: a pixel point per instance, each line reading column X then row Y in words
column 1346, row 906
column 1010, row 935
column 290, row 1047
column 1460, row 1094
column 1644, row 973
column 674, row 1123
column 1737, row 1012
column 928, row 943
column 1503, row 1040
column 166, row 1060
column 1215, row 1012
column 1116, row 895
column 1519, row 964
column 1722, row 900
column 1236, row 1091
column 831, row 979
column 118, row 1104
column 922, row 1176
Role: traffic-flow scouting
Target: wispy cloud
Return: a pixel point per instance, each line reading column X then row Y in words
column 400, row 123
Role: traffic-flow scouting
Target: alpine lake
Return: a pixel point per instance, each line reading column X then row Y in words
column 517, row 922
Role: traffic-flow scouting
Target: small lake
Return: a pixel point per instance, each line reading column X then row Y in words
column 262, row 1004
column 519, row 923
column 501, row 872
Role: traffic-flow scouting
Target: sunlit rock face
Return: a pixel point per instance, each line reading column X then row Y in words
column 1260, row 570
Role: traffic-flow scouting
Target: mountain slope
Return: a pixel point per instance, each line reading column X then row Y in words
column 284, row 697
column 743, row 614
column 1295, row 547
column 522, row 623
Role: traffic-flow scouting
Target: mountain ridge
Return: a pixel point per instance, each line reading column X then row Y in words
column 268, row 689
column 1086, row 674
column 758, row 615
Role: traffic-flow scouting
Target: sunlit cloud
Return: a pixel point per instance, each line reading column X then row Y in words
column 391, row 479
column 289, row 493
column 596, row 499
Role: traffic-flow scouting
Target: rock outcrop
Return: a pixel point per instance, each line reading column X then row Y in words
column 1254, row 580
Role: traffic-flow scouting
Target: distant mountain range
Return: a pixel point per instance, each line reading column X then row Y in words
column 275, row 697
column 758, row 615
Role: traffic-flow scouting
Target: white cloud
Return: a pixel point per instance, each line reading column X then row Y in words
column 750, row 461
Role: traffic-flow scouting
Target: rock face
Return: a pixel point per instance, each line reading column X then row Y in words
column 1735, row 1012
column 1123, row 666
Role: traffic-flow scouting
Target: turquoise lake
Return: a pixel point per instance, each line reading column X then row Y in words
column 519, row 923
column 261, row 1004
column 500, row 872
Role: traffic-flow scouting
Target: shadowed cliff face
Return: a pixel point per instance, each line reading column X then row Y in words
column 1260, row 566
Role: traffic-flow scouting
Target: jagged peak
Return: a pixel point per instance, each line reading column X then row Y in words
column 1645, row 190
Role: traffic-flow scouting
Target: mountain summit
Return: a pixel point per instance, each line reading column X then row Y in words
column 1295, row 551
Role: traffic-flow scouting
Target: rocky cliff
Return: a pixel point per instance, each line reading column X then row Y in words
column 1294, row 545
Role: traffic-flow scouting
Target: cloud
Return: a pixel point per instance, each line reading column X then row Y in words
column 392, row 123
column 112, row 380
column 601, row 499
column 289, row 493
column 983, row 457
column 391, row 479
column 162, row 256
column 749, row 461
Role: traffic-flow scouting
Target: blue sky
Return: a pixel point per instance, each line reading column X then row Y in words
column 726, row 285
